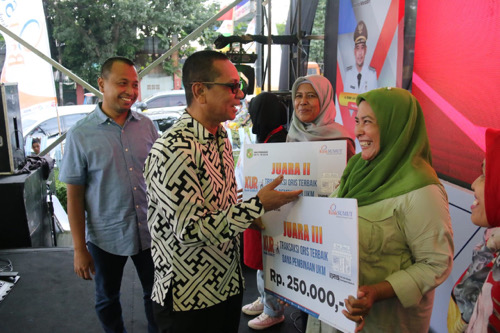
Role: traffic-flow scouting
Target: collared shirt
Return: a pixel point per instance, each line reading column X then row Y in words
column 367, row 81
column 193, row 216
column 108, row 159
column 407, row 241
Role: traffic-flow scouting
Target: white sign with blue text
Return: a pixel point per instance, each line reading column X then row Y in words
column 314, row 167
column 310, row 256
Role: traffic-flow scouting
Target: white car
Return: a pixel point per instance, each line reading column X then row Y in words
column 173, row 100
column 163, row 120
column 46, row 126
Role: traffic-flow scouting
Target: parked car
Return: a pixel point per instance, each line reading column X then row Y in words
column 313, row 68
column 173, row 100
column 45, row 126
column 163, row 120
column 90, row 98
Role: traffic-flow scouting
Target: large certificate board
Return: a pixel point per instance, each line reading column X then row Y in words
column 310, row 256
column 310, row 246
column 315, row 167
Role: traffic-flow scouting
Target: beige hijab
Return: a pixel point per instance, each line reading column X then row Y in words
column 324, row 126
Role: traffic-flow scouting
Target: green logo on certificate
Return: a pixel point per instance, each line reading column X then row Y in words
column 250, row 153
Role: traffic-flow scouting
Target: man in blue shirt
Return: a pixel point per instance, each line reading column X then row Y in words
column 102, row 166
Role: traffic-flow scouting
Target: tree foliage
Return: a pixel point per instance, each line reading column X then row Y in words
column 317, row 46
column 90, row 31
column 180, row 18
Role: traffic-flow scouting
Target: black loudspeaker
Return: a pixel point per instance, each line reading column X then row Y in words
column 11, row 133
column 25, row 219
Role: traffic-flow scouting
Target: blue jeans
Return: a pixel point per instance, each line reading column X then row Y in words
column 272, row 306
column 108, row 280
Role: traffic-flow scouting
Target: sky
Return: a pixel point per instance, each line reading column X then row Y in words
column 279, row 9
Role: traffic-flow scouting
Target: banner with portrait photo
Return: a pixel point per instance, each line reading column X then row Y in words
column 369, row 51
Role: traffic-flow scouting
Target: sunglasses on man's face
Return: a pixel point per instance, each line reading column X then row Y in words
column 235, row 86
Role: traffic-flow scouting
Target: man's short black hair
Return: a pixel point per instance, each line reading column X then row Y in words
column 35, row 140
column 199, row 68
column 106, row 66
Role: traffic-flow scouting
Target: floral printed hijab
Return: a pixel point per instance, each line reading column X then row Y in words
column 469, row 288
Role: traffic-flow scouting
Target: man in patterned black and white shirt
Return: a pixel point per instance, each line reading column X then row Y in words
column 193, row 214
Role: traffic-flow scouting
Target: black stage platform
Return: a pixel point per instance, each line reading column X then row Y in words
column 50, row 298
